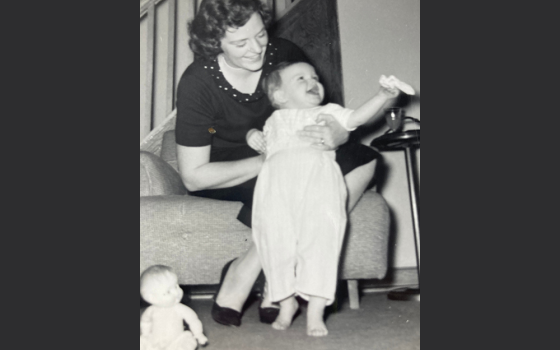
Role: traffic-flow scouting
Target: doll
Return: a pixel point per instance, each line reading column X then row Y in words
column 161, row 324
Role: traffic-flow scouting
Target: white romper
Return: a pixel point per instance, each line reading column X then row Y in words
column 299, row 208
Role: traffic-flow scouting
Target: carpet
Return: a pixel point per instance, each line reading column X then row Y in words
column 379, row 324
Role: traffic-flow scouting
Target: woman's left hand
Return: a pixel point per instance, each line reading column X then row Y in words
column 327, row 137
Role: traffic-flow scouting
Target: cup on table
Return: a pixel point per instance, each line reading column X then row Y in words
column 394, row 117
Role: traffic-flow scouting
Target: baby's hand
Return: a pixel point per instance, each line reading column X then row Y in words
column 255, row 139
column 390, row 87
column 388, row 92
column 202, row 340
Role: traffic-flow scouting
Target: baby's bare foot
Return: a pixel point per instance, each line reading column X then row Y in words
column 288, row 308
column 316, row 328
column 315, row 325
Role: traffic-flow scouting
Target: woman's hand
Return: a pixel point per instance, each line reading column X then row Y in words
column 327, row 137
column 255, row 139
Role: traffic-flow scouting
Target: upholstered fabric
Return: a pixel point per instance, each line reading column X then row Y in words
column 366, row 247
column 169, row 149
column 157, row 178
column 186, row 233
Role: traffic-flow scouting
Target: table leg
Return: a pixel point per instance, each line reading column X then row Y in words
column 411, row 294
column 412, row 187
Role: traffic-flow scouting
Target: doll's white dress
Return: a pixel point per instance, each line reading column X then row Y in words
column 299, row 208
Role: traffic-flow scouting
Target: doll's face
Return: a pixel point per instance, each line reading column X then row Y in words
column 164, row 291
column 300, row 87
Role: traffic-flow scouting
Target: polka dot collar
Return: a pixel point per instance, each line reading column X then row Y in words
column 213, row 69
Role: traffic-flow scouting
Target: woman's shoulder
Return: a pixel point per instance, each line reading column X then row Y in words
column 196, row 78
column 281, row 42
column 195, row 70
column 288, row 50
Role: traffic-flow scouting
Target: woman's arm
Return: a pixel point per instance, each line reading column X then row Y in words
column 199, row 174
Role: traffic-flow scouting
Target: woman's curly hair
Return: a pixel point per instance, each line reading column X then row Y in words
column 209, row 26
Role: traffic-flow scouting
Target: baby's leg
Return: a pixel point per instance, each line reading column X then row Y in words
column 315, row 324
column 288, row 308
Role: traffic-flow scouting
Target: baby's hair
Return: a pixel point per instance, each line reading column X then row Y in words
column 153, row 274
column 273, row 81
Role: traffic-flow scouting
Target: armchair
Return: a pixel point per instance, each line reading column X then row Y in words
column 184, row 231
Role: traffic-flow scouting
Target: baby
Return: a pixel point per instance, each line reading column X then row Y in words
column 161, row 324
column 299, row 208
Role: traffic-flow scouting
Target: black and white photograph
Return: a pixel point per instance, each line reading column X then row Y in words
column 280, row 174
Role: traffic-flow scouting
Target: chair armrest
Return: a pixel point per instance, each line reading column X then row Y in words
column 196, row 236
column 169, row 149
column 366, row 245
column 157, row 178
column 185, row 214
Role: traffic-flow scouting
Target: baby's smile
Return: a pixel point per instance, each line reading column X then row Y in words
column 314, row 90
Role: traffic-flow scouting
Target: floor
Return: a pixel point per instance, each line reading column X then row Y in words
column 379, row 324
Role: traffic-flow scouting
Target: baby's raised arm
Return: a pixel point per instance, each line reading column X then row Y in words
column 389, row 90
column 194, row 323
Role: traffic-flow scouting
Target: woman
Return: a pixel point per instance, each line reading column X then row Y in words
column 219, row 100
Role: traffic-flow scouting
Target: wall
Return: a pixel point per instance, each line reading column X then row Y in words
column 383, row 37
column 184, row 12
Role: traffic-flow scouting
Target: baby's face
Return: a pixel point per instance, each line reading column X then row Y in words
column 165, row 291
column 301, row 87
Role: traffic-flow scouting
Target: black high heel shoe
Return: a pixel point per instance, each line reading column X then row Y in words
column 224, row 315
column 266, row 314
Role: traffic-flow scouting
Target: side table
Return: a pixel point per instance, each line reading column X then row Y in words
column 406, row 141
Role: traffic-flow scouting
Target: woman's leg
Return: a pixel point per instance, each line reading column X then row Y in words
column 239, row 280
column 357, row 181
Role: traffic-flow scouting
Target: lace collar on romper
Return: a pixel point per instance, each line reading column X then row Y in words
column 213, row 68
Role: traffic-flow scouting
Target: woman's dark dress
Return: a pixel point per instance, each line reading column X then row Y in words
column 211, row 112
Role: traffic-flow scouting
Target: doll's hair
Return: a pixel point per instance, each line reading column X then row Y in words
column 209, row 26
column 153, row 274
column 273, row 81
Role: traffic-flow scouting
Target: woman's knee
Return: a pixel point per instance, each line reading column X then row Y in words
column 362, row 175
column 358, row 181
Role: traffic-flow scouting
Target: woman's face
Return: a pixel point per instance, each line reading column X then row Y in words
column 245, row 47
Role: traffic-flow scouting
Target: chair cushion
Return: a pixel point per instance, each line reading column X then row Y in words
column 157, row 178
column 169, row 149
